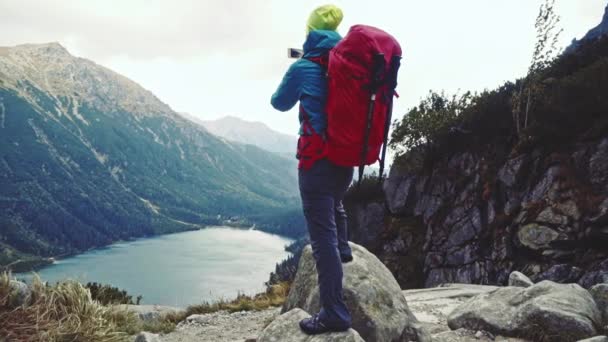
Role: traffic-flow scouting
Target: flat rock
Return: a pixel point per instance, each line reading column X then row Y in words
column 464, row 335
column 373, row 296
column 222, row 326
column 286, row 328
column 547, row 310
column 147, row 337
column 433, row 305
column 149, row 313
column 519, row 279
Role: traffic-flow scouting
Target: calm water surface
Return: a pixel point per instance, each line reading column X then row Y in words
column 179, row 269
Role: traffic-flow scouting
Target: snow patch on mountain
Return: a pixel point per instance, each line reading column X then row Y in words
column 68, row 164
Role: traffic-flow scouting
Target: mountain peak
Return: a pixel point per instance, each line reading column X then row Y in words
column 235, row 119
column 250, row 132
column 53, row 70
column 53, row 48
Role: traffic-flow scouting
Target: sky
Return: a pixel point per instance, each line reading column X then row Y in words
column 226, row 57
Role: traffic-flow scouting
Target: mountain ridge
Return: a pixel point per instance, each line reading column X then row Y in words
column 87, row 157
column 250, row 132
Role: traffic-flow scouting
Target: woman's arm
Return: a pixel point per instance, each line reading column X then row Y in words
column 290, row 89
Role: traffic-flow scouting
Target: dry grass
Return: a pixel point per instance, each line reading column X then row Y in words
column 66, row 312
column 63, row 312
column 274, row 296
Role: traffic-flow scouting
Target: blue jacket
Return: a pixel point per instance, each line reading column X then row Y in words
column 305, row 81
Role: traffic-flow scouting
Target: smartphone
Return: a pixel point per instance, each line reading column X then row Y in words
column 295, row 53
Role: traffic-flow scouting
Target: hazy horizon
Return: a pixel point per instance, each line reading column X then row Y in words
column 214, row 59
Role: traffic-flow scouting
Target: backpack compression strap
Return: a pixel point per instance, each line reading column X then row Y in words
column 376, row 82
column 392, row 85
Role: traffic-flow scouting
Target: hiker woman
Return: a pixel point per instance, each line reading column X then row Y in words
column 322, row 183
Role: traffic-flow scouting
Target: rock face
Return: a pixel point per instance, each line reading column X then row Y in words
column 286, row 328
column 475, row 217
column 565, row 312
column 600, row 295
column 373, row 296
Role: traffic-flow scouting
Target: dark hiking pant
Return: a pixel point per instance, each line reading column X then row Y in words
column 322, row 188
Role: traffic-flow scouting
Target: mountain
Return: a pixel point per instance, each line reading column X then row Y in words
column 88, row 157
column 600, row 30
column 251, row 132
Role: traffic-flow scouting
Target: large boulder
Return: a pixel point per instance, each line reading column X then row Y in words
column 375, row 300
column 544, row 311
column 519, row 279
column 286, row 328
column 20, row 293
column 433, row 305
column 596, row 339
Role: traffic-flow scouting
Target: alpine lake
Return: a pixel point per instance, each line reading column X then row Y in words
column 178, row 269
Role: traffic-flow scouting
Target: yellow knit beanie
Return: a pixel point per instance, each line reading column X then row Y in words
column 326, row 17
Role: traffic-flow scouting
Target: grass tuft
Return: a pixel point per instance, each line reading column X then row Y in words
column 274, row 296
column 62, row 312
column 67, row 312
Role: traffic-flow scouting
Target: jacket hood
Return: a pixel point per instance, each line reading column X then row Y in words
column 319, row 42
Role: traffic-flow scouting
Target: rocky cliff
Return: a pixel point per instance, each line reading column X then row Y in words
column 471, row 222
column 475, row 206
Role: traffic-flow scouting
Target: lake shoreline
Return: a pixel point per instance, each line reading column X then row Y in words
column 207, row 265
column 35, row 263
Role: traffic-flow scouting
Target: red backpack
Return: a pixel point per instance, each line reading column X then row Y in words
column 362, row 77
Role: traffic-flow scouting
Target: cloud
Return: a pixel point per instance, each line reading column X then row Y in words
column 213, row 58
column 140, row 29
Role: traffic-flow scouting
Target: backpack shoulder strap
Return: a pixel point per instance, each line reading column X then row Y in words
column 322, row 60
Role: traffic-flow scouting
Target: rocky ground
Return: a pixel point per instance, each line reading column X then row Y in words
column 223, row 326
column 522, row 311
column 430, row 306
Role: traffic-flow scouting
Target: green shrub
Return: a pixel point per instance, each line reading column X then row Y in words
column 434, row 116
column 570, row 105
column 106, row 295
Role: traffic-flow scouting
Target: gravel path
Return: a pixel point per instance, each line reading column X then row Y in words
column 222, row 326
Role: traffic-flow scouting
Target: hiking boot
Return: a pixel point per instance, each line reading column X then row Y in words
column 314, row 326
column 346, row 258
